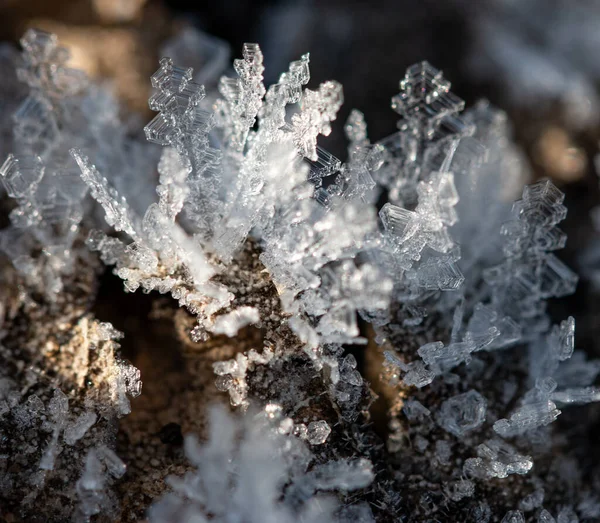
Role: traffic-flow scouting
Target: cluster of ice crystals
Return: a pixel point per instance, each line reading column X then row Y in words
column 256, row 184
column 253, row 469
column 539, row 406
column 409, row 233
column 62, row 111
column 497, row 459
column 248, row 171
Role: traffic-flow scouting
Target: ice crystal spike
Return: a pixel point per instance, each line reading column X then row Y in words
column 425, row 101
column 242, row 96
column 177, row 101
column 319, row 109
column 118, row 213
column 538, row 274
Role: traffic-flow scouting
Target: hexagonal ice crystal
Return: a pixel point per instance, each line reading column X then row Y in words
column 462, row 413
column 21, row 174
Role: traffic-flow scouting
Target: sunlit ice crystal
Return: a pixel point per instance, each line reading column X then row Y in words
column 177, row 99
column 425, row 98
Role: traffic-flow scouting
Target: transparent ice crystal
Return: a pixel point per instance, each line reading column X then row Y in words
column 429, row 127
column 530, row 273
column 463, row 413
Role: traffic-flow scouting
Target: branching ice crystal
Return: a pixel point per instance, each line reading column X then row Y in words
column 538, row 275
column 429, row 126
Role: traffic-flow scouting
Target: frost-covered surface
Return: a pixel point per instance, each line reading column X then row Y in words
column 410, row 254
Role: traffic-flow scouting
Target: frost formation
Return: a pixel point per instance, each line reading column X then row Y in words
column 255, row 228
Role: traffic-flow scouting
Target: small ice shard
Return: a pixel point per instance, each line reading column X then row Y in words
column 77, row 428
column 114, row 465
column 526, row 418
column 344, row 474
column 532, row 501
column 576, row 396
column 461, row 489
column 443, row 451
column 415, row 411
column 318, row 432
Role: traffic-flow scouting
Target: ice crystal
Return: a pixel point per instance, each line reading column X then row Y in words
column 462, row 413
column 530, row 237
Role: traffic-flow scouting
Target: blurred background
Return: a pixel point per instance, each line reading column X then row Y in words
column 535, row 59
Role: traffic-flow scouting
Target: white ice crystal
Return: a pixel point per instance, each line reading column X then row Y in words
column 497, row 459
column 243, row 469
